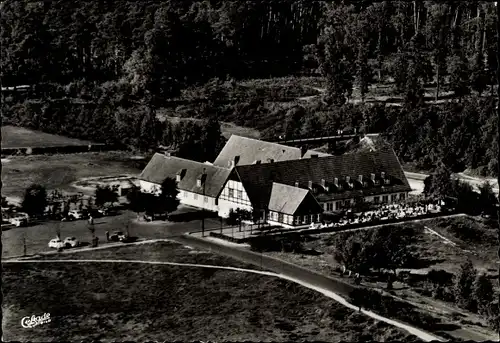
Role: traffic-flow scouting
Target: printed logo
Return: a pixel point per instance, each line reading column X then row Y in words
column 31, row 322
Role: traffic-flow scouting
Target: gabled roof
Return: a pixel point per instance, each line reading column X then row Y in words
column 161, row 167
column 251, row 150
column 288, row 199
column 258, row 179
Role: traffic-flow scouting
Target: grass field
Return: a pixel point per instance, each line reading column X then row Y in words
column 118, row 302
column 18, row 137
column 60, row 171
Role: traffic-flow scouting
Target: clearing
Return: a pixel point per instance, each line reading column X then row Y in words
column 140, row 302
column 60, row 171
column 18, row 137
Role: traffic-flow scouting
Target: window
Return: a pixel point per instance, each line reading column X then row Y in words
column 385, row 199
column 231, row 192
column 295, row 220
column 338, row 205
column 205, row 199
column 195, row 196
column 240, row 194
column 394, row 197
column 329, row 206
column 347, row 203
column 185, row 194
column 402, row 196
column 376, row 200
column 280, row 217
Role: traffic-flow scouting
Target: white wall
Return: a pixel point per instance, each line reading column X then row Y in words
column 238, row 198
column 198, row 200
column 186, row 198
column 149, row 187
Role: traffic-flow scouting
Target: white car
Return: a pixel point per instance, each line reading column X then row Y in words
column 56, row 243
column 18, row 221
column 76, row 214
column 71, row 242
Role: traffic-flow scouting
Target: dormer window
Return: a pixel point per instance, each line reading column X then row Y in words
column 310, row 184
column 365, row 184
column 387, row 182
column 382, row 175
column 377, row 182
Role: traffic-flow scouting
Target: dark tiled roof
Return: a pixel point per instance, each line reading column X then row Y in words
column 250, row 150
column 258, row 179
column 161, row 167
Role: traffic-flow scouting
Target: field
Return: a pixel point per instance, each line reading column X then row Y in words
column 433, row 253
column 18, row 137
column 60, row 171
column 142, row 302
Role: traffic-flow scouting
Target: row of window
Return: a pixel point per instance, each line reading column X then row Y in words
column 294, row 220
column 195, row 196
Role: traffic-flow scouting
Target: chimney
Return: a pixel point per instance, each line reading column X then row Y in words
column 178, row 177
column 360, row 179
column 166, row 153
column 236, row 159
column 270, row 160
column 310, row 184
column 348, row 179
column 382, row 175
column 323, row 183
column 180, row 174
column 336, row 181
column 257, row 162
column 297, row 184
column 372, row 176
column 303, row 151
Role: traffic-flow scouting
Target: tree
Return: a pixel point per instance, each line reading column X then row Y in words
column 487, row 199
column 106, row 194
column 458, row 69
column 352, row 253
column 136, row 200
column 5, row 203
column 482, row 292
column 464, row 285
column 168, row 195
column 35, row 200
column 438, row 185
column 389, row 248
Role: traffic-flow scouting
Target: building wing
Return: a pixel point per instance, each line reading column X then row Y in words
column 244, row 151
column 191, row 176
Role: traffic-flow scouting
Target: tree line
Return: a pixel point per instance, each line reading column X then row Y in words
column 104, row 69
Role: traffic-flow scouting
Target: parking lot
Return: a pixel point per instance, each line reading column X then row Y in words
column 38, row 235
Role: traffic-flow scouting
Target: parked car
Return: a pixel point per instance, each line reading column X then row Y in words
column 71, row 242
column 76, row 214
column 19, row 221
column 103, row 211
column 56, row 243
column 117, row 236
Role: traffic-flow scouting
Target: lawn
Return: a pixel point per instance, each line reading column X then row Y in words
column 18, row 137
column 141, row 302
column 60, row 171
column 432, row 253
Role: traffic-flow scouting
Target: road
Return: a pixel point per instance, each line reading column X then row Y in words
column 416, row 181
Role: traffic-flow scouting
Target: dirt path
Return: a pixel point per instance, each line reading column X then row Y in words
column 412, row 330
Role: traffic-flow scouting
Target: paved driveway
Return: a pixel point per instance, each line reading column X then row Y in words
column 38, row 236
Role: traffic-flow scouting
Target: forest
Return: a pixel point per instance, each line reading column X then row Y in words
column 104, row 70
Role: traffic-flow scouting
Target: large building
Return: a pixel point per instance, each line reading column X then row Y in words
column 289, row 186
